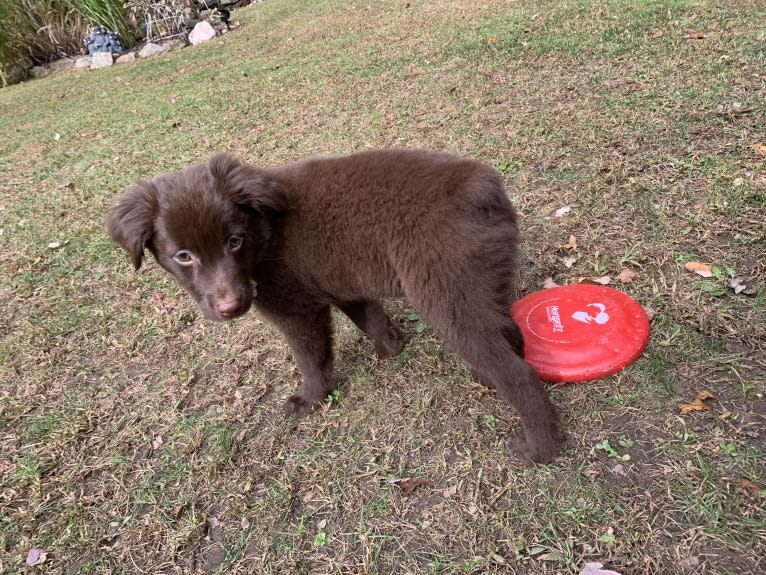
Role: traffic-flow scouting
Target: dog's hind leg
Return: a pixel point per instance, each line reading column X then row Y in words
column 372, row 319
column 482, row 339
column 309, row 335
column 468, row 304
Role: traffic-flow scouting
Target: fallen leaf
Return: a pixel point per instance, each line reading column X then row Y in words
column 409, row 484
column 54, row 245
column 735, row 109
column 618, row 469
column 569, row 262
column 603, row 280
column 596, row 569
column 750, row 488
column 549, row 283
column 696, row 404
column 760, row 149
column 737, row 285
column 562, row 211
column 491, row 40
column 245, row 523
column 570, row 245
column 35, row 557
column 626, row 276
column 214, row 529
column 699, row 268
column 157, row 443
column 697, row 36
column 656, row 33
column 450, row 491
column 690, row 563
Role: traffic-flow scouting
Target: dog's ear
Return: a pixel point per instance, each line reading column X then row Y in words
column 246, row 185
column 131, row 221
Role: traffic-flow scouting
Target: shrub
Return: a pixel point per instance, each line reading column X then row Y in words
column 38, row 31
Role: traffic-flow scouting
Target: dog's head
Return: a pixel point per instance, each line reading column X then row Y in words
column 208, row 225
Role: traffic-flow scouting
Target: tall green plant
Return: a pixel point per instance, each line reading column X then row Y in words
column 109, row 13
column 38, row 31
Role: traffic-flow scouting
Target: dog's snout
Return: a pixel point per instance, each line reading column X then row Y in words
column 228, row 307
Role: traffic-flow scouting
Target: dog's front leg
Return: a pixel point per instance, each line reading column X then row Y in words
column 310, row 337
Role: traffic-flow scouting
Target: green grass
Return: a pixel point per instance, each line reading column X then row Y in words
column 137, row 437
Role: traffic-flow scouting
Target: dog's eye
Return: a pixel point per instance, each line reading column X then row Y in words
column 235, row 242
column 183, row 257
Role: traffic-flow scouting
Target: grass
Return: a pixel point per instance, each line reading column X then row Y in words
column 138, row 438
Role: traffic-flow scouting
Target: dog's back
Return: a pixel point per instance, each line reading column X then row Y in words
column 368, row 219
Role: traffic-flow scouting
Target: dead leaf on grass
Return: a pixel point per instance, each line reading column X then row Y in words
column 697, row 36
column 569, row 262
column 619, row 469
column 409, row 484
column 603, row 280
column 563, row 211
column 735, row 109
column 570, row 245
column 626, row 276
column 737, row 285
column 760, row 149
column 696, row 404
column 750, row 488
column 656, row 33
column 36, row 557
column 700, row 269
column 596, row 569
column 157, row 443
column 549, row 283
column 690, row 563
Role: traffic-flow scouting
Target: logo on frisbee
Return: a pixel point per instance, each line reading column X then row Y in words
column 600, row 318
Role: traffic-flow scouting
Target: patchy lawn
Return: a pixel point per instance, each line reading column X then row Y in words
column 136, row 437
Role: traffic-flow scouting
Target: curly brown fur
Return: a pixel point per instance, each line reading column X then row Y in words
column 347, row 232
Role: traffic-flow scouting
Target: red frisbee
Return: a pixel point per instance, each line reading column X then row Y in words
column 580, row 332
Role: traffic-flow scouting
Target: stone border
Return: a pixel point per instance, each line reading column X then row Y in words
column 202, row 32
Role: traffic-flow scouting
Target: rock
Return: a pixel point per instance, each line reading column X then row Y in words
column 61, row 65
column 82, row 62
column 129, row 57
column 39, row 71
column 202, row 32
column 101, row 60
column 150, row 50
column 174, row 44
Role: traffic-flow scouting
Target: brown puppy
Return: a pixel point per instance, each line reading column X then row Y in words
column 347, row 232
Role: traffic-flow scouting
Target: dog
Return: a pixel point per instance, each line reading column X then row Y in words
column 295, row 240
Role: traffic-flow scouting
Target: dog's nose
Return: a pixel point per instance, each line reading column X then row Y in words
column 227, row 307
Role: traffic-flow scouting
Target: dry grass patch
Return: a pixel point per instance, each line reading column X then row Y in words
column 137, row 438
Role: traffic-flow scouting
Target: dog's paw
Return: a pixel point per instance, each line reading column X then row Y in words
column 529, row 453
column 299, row 406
